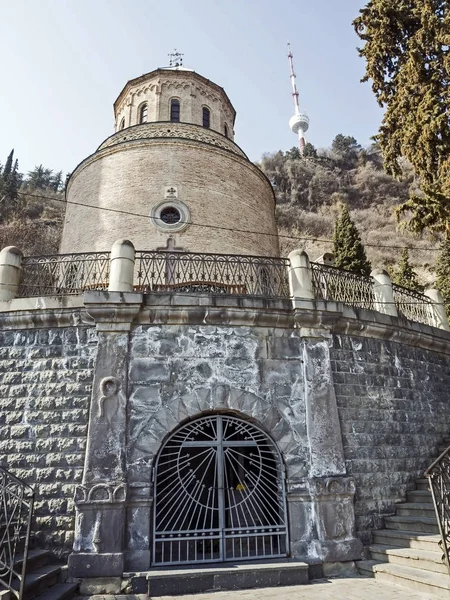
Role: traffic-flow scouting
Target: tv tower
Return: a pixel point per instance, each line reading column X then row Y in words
column 299, row 123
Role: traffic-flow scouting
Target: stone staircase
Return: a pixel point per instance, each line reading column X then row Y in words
column 43, row 581
column 407, row 551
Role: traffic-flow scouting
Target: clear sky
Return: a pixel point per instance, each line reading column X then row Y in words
column 64, row 62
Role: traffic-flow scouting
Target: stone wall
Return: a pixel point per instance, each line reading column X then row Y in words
column 45, row 387
column 394, row 409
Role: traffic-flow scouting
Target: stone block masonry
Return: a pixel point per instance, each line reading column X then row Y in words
column 45, row 387
column 393, row 407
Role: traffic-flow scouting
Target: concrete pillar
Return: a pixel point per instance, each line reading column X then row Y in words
column 10, row 270
column 122, row 267
column 383, row 292
column 438, row 313
column 300, row 280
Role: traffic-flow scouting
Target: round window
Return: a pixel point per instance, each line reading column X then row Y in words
column 170, row 215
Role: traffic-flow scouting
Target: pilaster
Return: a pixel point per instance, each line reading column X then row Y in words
column 100, row 501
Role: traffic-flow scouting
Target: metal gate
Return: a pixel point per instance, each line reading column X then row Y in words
column 219, row 494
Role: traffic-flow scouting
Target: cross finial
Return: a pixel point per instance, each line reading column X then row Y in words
column 175, row 58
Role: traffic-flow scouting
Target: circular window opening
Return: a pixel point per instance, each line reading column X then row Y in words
column 170, row 215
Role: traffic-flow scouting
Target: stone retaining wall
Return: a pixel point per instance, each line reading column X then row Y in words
column 394, row 410
column 45, row 387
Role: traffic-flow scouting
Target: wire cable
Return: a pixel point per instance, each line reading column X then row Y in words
column 220, row 227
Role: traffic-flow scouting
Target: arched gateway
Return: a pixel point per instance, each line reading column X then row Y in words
column 219, row 494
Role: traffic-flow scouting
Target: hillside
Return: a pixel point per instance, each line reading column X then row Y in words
column 310, row 190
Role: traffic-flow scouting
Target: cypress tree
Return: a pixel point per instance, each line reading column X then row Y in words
column 443, row 273
column 348, row 249
column 406, row 53
column 12, row 182
column 8, row 166
column 405, row 274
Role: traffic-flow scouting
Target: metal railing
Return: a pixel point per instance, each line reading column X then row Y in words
column 227, row 274
column 16, row 512
column 411, row 304
column 159, row 271
column 330, row 283
column 64, row 274
column 438, row 474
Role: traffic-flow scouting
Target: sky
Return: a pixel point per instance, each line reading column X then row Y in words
column 64, row 63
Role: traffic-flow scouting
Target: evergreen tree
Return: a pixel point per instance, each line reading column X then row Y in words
column 56, row 181
column 12, row 183
column 8, row 166
column 348, row 249
column 443, row 273
column 406, row 52
column 405, row 274
column 310, row 151
column 294, row 152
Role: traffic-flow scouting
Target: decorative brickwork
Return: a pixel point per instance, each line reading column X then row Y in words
column 172, row 130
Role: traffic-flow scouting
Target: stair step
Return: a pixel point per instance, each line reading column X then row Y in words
column 40, row 580
column 60, row 591
column 409, row 523
column 427, row 582
column 419, row 496
column 422, row 484
column 410, row 557
column 226, row 576
column 366, row 567
column 407, row 539
column 36, row 559
column 421, row 509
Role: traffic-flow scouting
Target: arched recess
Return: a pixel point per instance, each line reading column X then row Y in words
column 219, row 493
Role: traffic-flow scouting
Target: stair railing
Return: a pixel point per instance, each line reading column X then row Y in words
column 438, row 475
column 16, row 512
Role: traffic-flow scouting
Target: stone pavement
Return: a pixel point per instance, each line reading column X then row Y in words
column 355, row 588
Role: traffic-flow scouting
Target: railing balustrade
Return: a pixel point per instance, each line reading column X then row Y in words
column 338, row 285
column 228, row 274
column 438, row 475
column 16, row 512
column 64, row 274
column 159, row 271
column 411, row 304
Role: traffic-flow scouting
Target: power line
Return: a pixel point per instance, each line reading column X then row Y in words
column 231, row 229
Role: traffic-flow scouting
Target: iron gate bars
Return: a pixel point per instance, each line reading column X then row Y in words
column 64, row 274
column 162, row 271
column 16, row 511
column 438, row 474
column 219, row 494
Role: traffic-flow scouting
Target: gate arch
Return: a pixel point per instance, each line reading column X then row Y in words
column 219, row 494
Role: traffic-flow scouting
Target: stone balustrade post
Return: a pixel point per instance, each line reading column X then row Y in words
column 383, row 292
column 300, row 279
column 122, row 266
column 437, row 308
column 10, row 272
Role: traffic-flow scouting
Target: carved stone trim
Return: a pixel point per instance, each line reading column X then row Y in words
column 100, row 493
column 327, row 488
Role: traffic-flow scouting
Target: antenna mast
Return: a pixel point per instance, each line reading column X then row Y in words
column 299, row 122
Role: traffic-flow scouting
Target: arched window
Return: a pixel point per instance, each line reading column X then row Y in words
column 225, row 130
column 206, row 117
column 175, row 111
column 143, row 113
column 122, row 124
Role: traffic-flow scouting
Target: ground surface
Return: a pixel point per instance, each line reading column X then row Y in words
column 357, row 588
